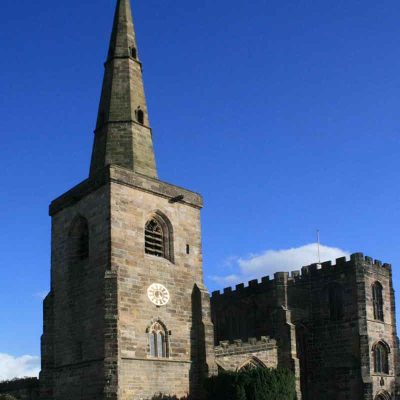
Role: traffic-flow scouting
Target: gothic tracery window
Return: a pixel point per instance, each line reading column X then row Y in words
column 381, row 358
column 377, row 300
column 158, row 340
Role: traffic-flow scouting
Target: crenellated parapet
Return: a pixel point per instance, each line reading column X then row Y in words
column 226, row 348
column 233, row 356
column 255, row 286
column 356, row 259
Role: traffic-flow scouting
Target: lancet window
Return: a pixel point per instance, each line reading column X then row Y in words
column 377, row 300
column 381, row 358
column 158, row 340
column 140, row 116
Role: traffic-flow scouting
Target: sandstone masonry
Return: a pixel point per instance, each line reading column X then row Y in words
column 128, row 315
column 332, row 340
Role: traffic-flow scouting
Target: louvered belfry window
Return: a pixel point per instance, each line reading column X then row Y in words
column 154, row 239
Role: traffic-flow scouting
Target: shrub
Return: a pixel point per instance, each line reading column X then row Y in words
column 252, row 384
column 161, row 396
column 7, row 397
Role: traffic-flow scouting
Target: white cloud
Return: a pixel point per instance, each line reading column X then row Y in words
column 18, row 367
column 226, row 280
column 271, row 261
column 41, row 295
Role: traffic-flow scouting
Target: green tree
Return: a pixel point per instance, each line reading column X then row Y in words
column 252, row 384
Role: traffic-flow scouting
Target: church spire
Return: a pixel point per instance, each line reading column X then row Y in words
column 123, row 135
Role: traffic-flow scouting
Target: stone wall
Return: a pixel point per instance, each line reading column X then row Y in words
column 98, row 314
column 332, row 339
column 372, row 330
column 232, row 356
column 244, row 312
column 186, row 317
column 328, row 345
column 73, row 341
column 336, row 351
column 259, row 309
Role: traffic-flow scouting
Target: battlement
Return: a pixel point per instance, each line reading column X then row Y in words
column 253, row 284
column 355, row 259
column 282, row 278
column 226, row 347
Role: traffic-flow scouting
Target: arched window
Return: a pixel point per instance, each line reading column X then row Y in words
column 335, row 299
column 154, row 239
column 377, row 300
column 78, row 246
column 158, row 237
column 383, row 395
column 133, row 53
column 252, row 363
column 140, row 116
column 158, row 340
column 381, row 358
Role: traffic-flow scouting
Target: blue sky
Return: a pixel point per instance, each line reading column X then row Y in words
column 283, row 114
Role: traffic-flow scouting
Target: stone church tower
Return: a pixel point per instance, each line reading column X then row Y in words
column 127, row 315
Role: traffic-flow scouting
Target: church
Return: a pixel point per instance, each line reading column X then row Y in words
column 128, row 315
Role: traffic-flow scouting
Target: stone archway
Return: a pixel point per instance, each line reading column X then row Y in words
column 251, row 363
column 383, row 395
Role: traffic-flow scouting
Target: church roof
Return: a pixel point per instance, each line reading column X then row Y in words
column 123, row 135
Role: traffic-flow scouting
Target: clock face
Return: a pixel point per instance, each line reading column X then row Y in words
column 158, row 294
